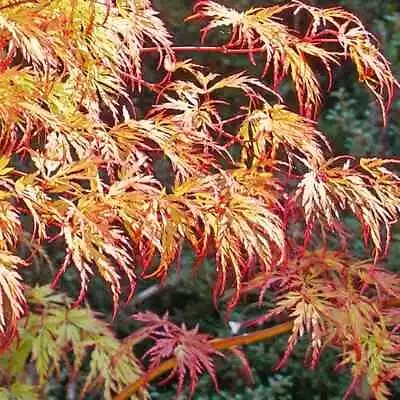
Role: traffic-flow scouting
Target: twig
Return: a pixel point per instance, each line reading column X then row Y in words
column 205, row 49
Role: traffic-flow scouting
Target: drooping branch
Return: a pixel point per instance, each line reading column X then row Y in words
column 218, row 344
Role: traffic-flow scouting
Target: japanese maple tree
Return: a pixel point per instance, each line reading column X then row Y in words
column 254, row 187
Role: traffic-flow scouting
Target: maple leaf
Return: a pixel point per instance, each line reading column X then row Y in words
column 102, row 53
column 242, row 229
column 12, row 299
column 21, row 109
column 372, row 67
column 267, row 130
column 338, row 301
column 325, row 16
column 94, row 239
column 28, row 190
column 186, row 149
column 374, row 200
column 51, row 330
column 287, row 52
column 304, row 295
column 374, row 360
column 10, row 225
column 192, row 350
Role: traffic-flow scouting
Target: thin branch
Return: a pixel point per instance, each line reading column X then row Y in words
column 253, row 337
column 391, row 303
column 154, row 290
column 151, row 86
column 206, row 49
column 71, row 389
column 218, row 344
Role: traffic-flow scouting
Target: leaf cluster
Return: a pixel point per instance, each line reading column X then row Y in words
column 54, row 337
column 255, row 188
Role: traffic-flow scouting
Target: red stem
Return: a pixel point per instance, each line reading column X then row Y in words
column 205, row 49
